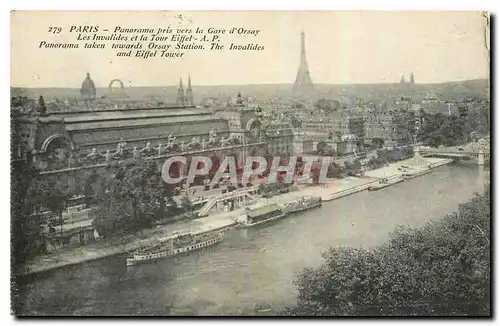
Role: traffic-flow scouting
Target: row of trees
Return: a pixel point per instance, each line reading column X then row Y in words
column 442, row 269
column 385, row 156
column 451, row 130
column 328, row 106
column 25, row 231
column 478, row 120
column 439, row 129
column 36, row 202
column 24, row 105
column 268, row 190
column 136, row 198
column 29, row 193
column 334, row 171
column 352, row 167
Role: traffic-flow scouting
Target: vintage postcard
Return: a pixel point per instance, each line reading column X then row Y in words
column 250, row 163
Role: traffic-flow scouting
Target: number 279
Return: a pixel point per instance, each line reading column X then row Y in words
column 55, row 29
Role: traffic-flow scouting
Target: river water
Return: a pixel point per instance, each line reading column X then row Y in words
column 253, row 269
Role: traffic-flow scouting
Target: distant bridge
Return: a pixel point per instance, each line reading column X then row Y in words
column 481, row 155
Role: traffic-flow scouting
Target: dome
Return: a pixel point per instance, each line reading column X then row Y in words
column 88, row 87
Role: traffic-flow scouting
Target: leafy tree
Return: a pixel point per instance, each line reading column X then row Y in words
column 442, row 269
column 28, row 193
column 334, row 171
column 216, row 161
column 375, row 162
column 378, row 142
column 268, row 190
column 327, row 106
column 438, row 129
column 485, row 114
column 478, row 120
column 296, row 123
column 269, row 160
column 321, row 147
column 135, row 199
column 199, row 179
column 113, row 216
column 186, row 204
column 329, row 151
column 41, row 194
column 56, row 200
column 352, row 167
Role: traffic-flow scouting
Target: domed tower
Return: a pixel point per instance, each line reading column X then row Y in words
column 88, row 88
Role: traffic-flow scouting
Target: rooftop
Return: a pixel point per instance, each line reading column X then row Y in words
column 126, row 118
column 138, row 121
column 132, row 114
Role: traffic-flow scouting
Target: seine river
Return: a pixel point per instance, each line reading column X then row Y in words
column 252, row 271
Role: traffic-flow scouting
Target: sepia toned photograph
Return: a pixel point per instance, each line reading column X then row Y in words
column 250, row 163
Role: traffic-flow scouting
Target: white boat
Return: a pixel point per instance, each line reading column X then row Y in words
column 302, row 204
column 179, row 244
column 416, row 173
column 385, row 183
column 263, row 215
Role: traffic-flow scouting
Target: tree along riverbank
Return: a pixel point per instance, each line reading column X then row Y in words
column 440, row 269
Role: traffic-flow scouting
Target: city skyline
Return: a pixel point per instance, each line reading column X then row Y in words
column 436, row 47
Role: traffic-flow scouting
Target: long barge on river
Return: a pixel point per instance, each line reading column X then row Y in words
column 174, row 246
column 416, row 172
column 302, row 204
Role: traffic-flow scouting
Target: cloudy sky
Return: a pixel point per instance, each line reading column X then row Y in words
column 342, row 47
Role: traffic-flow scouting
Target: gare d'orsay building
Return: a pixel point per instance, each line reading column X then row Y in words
column 82, row 147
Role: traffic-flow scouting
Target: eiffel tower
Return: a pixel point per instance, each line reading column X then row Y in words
column 303, row 86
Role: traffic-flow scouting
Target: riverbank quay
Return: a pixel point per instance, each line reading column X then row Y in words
column 106, row 248
column 395, row 169
column 220, row 221
column 351, row 185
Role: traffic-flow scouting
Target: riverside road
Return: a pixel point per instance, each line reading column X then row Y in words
column 253, row 269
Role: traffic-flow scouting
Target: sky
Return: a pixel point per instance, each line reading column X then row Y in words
column 342, row 47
